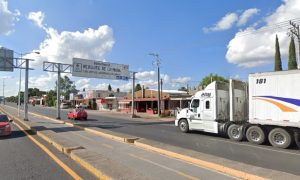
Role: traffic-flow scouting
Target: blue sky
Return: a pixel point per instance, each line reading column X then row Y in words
column 193, row 38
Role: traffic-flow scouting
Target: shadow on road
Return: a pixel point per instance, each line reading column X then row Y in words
column 15, row 134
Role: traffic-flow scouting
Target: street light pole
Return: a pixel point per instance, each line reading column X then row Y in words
column 19, row 94
column 20, row 79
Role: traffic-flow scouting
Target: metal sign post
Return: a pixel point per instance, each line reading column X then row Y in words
column 59, row 68
column 58, row 91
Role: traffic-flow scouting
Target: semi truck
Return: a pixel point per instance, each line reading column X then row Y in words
column 267, row 107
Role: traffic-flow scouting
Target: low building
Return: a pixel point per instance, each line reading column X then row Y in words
column 146, row 101
column 98, row 99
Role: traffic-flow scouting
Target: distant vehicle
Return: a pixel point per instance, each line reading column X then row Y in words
column 64, row 106
column 82, row 105
column 78, row 113
column 266, row 109
column 5, row 127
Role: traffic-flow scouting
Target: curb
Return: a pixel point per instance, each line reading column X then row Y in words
column 135, row 141
column 89, row 166
column 199, row 162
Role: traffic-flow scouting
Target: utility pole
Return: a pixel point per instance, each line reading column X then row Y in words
column 161, row 88
column 295, row 31
column 132, row 95
column 157, row 62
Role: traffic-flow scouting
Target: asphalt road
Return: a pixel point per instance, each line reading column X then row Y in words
column 286, row 160
column 21, row 159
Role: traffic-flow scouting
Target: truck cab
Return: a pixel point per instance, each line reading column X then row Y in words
column 206, row 109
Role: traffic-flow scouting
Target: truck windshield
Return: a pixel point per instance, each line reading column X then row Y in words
column 195, row 103
column 3, row 118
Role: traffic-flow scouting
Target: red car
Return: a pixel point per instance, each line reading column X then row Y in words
column 78, row 114
column 5, row 127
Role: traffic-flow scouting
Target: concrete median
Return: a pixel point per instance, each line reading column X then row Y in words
column 229, row 167
column 109, row 169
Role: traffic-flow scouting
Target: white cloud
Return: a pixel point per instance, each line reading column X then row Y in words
column 231, row 19
column 83, row 83
column 149, row 79
column 7, row 18
column 145, row 75
column 63, row 46
column 258, row 48
column 43, row 82
column 225, row 23
column 37, row 17
column 243, row 19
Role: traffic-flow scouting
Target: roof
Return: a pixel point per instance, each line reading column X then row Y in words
column 170, row 91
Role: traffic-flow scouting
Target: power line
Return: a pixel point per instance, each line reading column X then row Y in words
column 280, row 25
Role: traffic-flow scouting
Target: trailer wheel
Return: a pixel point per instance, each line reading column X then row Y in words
column 235, row 132
column 184, row 126
column 256, row 135
column 280, row 138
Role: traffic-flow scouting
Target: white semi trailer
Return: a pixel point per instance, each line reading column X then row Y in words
column 267, row 107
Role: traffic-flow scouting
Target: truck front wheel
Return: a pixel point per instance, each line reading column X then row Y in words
column 235, row 132
column 256, row 135
column 280, row 138
column 184, row 126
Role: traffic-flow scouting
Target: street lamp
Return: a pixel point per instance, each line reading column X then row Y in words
column 20, row 78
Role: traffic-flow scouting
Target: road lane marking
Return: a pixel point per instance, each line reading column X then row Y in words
column 255, row 146
column 165, row 167
column 55, row 158
column 108, row 146
column 227, row 141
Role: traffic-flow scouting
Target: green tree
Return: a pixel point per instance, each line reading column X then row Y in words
column 118, row 90
column 278, row 64
column 109, row 87
column 137, row 87
column 292, row 64
column 210, row 78
column 35, row 92
column 66, row 87
column 51, row 98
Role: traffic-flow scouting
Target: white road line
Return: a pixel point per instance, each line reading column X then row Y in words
column 164, row 167
column 254, row 146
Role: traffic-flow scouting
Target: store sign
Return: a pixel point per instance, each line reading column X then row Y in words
column 99, row 69
column 6, row 59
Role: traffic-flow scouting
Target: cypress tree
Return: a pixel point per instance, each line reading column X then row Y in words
column 292, row 55
column 278, row 66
